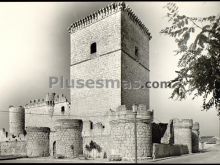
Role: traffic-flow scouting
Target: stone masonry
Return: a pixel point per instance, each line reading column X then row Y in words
column 122, row 133
column 168, row 137
column 13, row 148
column 183, row 132
column 38, row 141
column 16, row 120
column 118, row 34
column 3, row 135
column 44, row 112
column 195, row 137
column 68, row 138
column 98, row 132
column 122, row 54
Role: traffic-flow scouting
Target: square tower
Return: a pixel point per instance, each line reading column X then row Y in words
column 108, row 47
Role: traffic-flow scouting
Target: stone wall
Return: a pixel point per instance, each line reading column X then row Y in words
column 67, row 138
column 135, row 65
column 52, row 146
column 166, row 150
column 107, row 65
column 183, row 132
column 98, row 100
column 122, row 133
column 133, row 36
column 106, row 34
column 158, row 131
column 40, row 114
column 37, row 141
column 96, row 130
column 168, row 137
column 195, row 137
column 134, row 78
column 13, row 148
column 117, row 31
column 3, row 135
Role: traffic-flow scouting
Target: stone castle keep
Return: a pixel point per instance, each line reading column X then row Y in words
column 112, row 43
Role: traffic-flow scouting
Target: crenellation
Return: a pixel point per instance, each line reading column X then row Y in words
column 34, row 104
column 55, row 98
column 105, row 12
column 142, row 113
column 183, row 123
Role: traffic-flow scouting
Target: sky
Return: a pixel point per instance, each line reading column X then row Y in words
column 35, row 44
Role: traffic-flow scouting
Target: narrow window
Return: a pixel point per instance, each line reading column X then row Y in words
column 91, row 125
column 93, row 48
column 62, row 109
column 136, row 51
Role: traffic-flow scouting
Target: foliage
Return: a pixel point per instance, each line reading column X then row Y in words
column 93, row 145
column 198, row 41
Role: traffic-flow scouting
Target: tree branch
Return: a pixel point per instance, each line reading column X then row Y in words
column 194, row 23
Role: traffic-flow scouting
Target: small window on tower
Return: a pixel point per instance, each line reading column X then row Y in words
column 136, row 51
column 62, row 109
column 93, row 48
column 91, row 125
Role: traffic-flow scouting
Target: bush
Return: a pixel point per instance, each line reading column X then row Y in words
column 93, row 145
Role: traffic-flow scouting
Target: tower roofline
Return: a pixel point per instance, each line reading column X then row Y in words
column 105, row 12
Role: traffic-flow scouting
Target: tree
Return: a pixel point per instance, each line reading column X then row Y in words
column 198, row 41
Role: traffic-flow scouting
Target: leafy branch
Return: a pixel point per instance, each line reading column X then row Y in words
column 199, row 63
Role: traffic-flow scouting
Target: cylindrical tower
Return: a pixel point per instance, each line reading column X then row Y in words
column 183, row 132
column 16, row 120
column 123, row 136
column 68, row 138
column 37, row 141
column 195, row 137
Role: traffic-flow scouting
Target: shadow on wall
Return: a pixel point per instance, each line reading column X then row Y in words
column 158, row 131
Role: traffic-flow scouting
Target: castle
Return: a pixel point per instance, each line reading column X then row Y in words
column 111, row 43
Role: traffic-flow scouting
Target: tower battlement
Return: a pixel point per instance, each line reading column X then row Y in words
column 183, row 123
column 195, row 126
column 55, row 98
column 105, row 12
column 122, row 113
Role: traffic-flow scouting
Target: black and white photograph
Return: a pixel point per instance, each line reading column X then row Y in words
column 110, row 82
